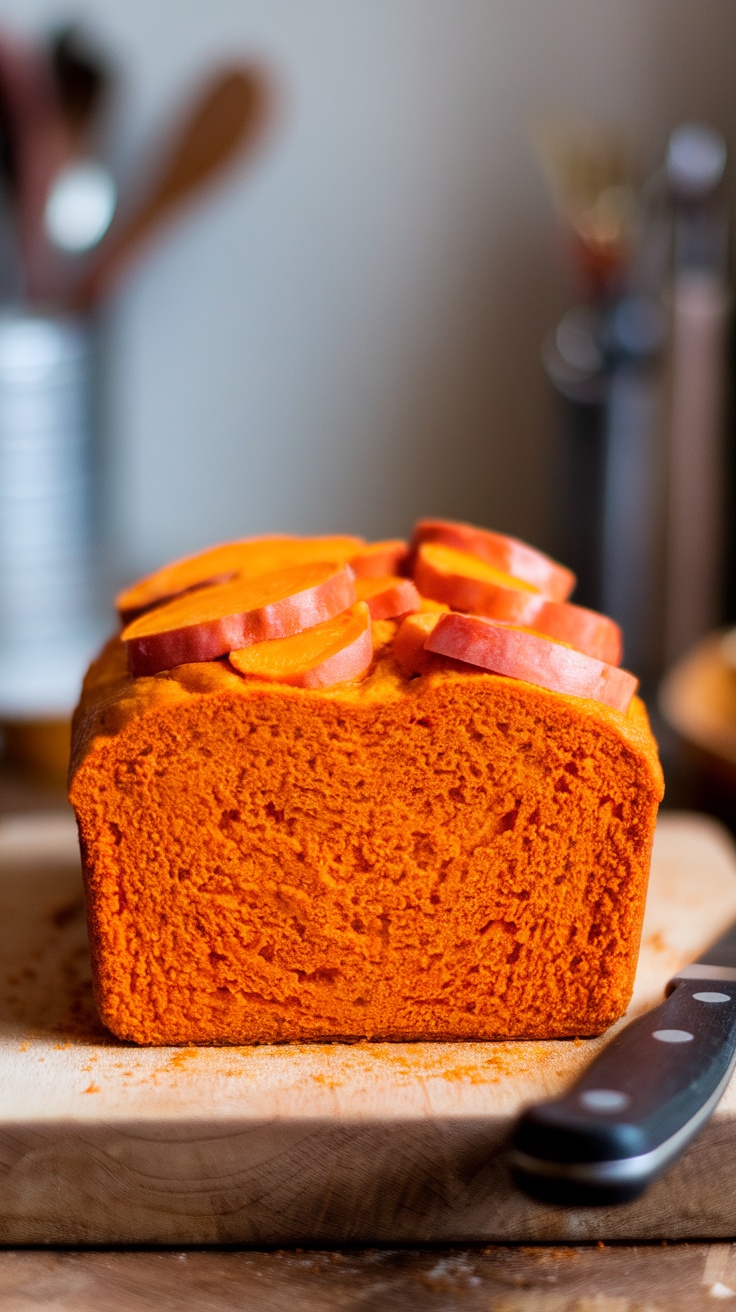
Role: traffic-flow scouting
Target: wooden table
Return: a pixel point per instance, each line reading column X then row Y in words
column 653, row 1277
column 676, row 1278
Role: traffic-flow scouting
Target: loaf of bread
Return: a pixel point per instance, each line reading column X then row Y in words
column 446, row 854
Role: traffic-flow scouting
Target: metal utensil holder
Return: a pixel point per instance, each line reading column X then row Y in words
column 49, row 591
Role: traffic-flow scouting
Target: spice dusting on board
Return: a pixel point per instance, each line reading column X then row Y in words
column 468, row 1075
column 181, row 1060
column 290, row 835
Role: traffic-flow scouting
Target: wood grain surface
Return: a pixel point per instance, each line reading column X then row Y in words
column 676, row 1278
column 102, row 1142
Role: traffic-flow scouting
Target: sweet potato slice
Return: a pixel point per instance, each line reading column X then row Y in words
column 388, row 597
column 506, row 554
column 214, row 621
column 221, row 564
column 379, row 559
column 520, row 654
column 332, row 652
column 469, row 584
column 595, row 634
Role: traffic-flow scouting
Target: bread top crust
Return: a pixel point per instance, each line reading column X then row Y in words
column 111, row 699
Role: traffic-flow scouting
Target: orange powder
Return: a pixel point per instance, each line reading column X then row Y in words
column 455, row 855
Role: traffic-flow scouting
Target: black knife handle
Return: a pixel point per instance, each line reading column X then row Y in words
column 637, row 1105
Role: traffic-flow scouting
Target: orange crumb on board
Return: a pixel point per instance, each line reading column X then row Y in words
column 657, row 942
column 328, row 1081
column 180, row 1059
column 468, row 1075
column 92, row 1088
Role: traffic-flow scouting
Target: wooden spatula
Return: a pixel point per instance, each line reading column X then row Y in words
column 227, row 117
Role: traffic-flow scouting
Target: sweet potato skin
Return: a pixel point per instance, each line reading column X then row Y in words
column 521, row 654
column 225, row 562
column 213, row 621
column 456, row 578
column 502, row 552
column 336, row 651
column 388, row 597
column 377, row 559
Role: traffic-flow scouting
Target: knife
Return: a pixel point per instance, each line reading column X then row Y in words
column 640, row 1102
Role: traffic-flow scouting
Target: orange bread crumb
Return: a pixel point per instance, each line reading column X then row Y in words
column 452, row 855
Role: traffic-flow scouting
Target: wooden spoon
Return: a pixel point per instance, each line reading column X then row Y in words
column 229, row 115
column 81, row 201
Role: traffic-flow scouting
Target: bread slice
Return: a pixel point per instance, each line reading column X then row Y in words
column 451, row 856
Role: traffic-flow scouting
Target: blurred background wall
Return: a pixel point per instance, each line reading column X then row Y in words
column 348, row 334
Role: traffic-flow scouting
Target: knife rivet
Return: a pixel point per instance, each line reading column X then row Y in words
column 672, row 1036
column 604, row 1100
column 712, row 997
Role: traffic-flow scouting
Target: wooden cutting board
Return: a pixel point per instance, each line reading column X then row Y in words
column 102, row 1142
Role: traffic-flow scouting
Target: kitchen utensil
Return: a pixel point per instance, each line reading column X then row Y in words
column 588, row 170
column 82, row 80
column 638, row 1105
column 633, row 496
column 10, row 274
column 224, row 119
column 604, row 363
column 83, row 196
column 699, row 295
column 50, row 618
column 80, row 206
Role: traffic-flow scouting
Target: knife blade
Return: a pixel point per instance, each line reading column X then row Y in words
column 641, row 1101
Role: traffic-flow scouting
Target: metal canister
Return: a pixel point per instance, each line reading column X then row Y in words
column 49, row 595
